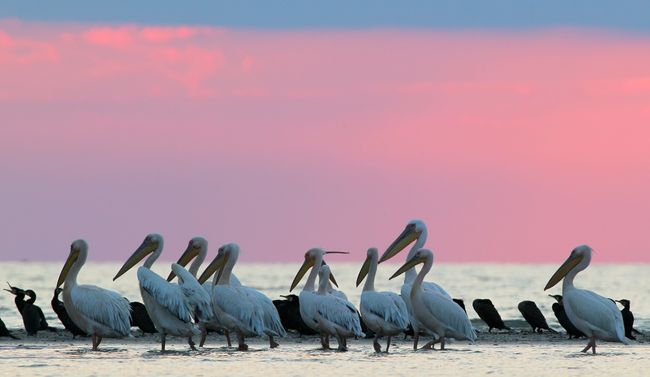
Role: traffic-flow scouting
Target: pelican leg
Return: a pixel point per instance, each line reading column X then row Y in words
column 591, row 344
column 242, row 346
column 375, row 343
column 272, row 343
column 416, row 337
column 343, row 345
column 388, row 344
column 95, row 343
column 163, row 337
column 325, row 341
column 228, row 338
column 191, row 343
column 204, row 334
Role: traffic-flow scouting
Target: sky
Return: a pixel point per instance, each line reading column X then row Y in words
column 516, row 130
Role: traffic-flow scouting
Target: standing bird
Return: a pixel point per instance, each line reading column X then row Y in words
column 489, row 314
column 628, row 318
column 416, row 230
column 289, row 311
column 240, row 309
column 432, row 310
column 4, row 331
column 140, row 318
column 337, row 312
column 59, row 309
column 170, row 306
column 96, row 311
column 596, row 316
column 32, row 314
column 384, row 313
column 560, row 314
column 533, row 316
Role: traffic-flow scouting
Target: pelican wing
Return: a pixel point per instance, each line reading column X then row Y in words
column 106, row 307
column 272, row 323
column 165, row 293
column 197, row 297
column 600, row 313
column 341, row 312
column 450, row 314
column 237, row 303
column 386, row 305
column 433, row 287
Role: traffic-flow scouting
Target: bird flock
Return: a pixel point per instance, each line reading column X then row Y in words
column 216, row 300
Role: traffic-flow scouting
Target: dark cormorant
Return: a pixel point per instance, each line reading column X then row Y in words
column 33, row 317
column 628, row 318
column 461, row 303
column 533, row 316
column 4, row 331
column 489, row 314
column 59, row 309
column 289, row 311
column 140, row 318
column 560, row 314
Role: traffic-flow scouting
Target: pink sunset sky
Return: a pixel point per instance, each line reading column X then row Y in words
column 513, row 147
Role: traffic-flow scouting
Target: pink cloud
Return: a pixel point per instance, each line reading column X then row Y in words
column 513, row 148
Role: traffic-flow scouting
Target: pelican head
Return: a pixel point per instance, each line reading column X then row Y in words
column 151, row 243
column 193, row 249
column 420, row 256
column 311, row 256
column 371, row 255
column 413, row 231
column 218, row 263
column 76, row 248
column 578, row 261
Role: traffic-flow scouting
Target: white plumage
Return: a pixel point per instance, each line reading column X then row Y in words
column 596, row 316
column 97, row 311
column 434, row 311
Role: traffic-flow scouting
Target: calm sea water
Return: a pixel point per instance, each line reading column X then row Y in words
column 506, row 285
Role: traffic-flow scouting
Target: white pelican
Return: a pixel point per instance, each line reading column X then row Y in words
column 238, row 308
column 384, row 313
column 432, row 310
column 170, row 306
column 97, row 311
column 596, row 316
column 196, row 251
column 325, row 312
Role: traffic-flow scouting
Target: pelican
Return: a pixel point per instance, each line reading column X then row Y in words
column 170, row 306
column 596, row 316
column 238, row 308
column 315, row 308
column 98, row 312
column 416, row 230
column 433, row 310
column 384, row 313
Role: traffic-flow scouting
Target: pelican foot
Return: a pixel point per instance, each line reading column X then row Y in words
column 243, row 347
column 191, row 343
column 376, row 346
column 342, row 349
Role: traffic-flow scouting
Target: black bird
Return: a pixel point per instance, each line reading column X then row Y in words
column 59, row 309
column 489, row 314
column 289, row 311
column 461, row 303
column 140, row 318
column 33, row 317
column 533, row 316
column 560, row 314
column 628, row 318
column 4, row 331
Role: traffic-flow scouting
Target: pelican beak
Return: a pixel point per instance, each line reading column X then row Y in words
column 408, row 235
column 408, row 265
column 74, row 255
column 306, row 265
column 564, row 269
column 190, row 253
column 216, row 265
column 364, row 270
column 147, row 247
column 331, row 274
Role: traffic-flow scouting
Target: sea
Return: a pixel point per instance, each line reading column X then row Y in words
column 518, row 352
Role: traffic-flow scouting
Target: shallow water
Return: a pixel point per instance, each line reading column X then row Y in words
column 513, row 353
